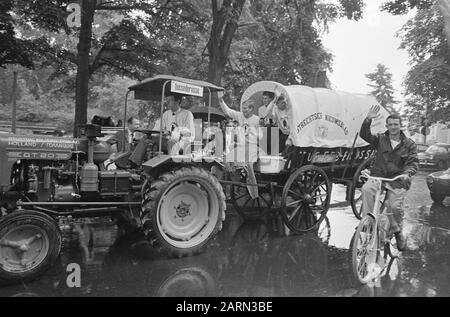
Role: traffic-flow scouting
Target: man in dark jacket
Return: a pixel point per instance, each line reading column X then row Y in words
column 125, row 139
column 396, row 155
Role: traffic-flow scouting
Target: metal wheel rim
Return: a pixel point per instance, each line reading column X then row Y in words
column 23, row 248
column 366, row 250
column 188, row 230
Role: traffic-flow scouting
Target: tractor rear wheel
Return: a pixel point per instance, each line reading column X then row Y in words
column 182, row 211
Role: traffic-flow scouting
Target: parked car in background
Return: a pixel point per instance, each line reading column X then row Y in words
column 436, row 156
column 439, row 185
column 421, row 147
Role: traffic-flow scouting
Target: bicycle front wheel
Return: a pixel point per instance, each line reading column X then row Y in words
column 363, row 248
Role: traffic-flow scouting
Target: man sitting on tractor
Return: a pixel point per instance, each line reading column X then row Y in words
column 177, row 127
column 125, row 140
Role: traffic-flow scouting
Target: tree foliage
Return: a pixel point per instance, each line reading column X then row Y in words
column 403, row 6
column 138, row 44
column 423, row 37
column 382, row 88
column 281, row 41
column 13, row 50
column 232, row 42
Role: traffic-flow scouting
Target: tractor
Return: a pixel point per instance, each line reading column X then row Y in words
column 176, row 203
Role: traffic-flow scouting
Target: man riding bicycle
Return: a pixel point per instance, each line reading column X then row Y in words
column 396, row 155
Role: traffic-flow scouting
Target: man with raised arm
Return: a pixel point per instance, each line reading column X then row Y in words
column 246, row 151
column 396, row 155
column 279, row 109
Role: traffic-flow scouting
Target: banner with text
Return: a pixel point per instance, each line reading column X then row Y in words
column 186, row 89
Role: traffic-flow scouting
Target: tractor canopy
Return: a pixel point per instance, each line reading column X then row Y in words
column 151, row 88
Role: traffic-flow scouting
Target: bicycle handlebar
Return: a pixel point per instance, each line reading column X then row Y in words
column 365, row 174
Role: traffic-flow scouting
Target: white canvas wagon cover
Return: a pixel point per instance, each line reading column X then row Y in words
column 321, row 117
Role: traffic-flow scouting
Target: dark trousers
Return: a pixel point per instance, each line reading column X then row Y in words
column 139, row 154
column 282, row 139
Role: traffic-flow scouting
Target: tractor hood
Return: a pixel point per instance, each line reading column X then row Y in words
column 14, row 147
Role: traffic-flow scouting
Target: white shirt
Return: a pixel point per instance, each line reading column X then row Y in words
column 394, row 143
column 180, row 121
column 262, row 113
column 249, row 125
column 282, row 119
column 130, row 136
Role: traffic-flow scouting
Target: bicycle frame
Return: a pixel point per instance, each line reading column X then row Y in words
column 372, row 250
column 380, row 189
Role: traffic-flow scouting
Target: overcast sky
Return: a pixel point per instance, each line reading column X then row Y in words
column 359, row 46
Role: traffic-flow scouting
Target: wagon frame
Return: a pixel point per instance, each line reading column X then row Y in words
column 302, row 208
column 301, row 191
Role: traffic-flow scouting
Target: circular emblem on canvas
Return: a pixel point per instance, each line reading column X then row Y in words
column 322, row 131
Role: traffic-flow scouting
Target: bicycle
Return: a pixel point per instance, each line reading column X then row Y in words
column 372, row 243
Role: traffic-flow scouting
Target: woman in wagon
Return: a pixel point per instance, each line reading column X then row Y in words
column 396, row 155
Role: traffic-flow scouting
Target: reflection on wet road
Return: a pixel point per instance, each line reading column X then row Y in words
column 254, row 259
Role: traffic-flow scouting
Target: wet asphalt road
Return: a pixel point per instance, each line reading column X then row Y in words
column 254, row 259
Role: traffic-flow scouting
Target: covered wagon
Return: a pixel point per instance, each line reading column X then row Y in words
column 324, row 126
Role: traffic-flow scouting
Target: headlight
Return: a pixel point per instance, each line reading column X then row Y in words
column 430, row 179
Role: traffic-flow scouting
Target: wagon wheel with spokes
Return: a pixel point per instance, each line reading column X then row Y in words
column 248, row 207
column 305, row 199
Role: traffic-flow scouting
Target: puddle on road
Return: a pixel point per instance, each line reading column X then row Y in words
column 250, row 259
column 246, row 259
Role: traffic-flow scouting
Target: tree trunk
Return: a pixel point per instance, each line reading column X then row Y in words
column 222, row 33
column 14, row 103
column 84, row 47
